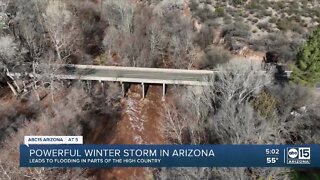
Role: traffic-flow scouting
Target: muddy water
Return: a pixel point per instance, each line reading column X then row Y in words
column 139, row 124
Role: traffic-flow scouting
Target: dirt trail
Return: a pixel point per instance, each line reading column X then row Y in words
column 139, row 124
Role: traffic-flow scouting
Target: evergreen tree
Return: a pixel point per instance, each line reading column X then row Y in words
column 307, row 68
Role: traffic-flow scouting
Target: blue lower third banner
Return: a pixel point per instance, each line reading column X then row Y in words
column 100, row 156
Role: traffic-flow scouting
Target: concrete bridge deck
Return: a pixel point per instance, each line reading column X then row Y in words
column 135, row 75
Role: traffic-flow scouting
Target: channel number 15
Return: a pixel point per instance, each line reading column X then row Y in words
column 301, row 153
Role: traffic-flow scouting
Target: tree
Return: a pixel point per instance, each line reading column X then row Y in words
column 9, row 51
column 9, row 57
column 223, row 113
column 181, row 126
column 238, row 81
column 265, row 104
column 28, row 27
column 147, row 36
column 240, row 124
column 297, row 117
column 232, row 118
column 3, row 5
column 236, row 35
column 119, row 13
column 63, row 118
column 3, row 17
column 223, row 107
column 214, row 55
column 45, row 32
column 185, row 117
column 307, row 69
column 61, row 25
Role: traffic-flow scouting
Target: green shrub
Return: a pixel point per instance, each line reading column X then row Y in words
column 237, row 29
column 227, row 20
column 238, row 2
column 298, row 29
column 253, row 5
column 265, row 105
column 285, row 24
column 245, row 15
column 307, row 69
column 266, row 13
column 255, row 20
column 280, row 43
column 213, row 57
column 304, row 175
column 236, row 35
column 219, row 11
column 265, row 4
column 273, row 20
column 204, row 37
column 252, row 12
column 264, row 26
column 279, row 5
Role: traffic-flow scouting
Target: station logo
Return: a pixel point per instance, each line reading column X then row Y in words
column 299, row 155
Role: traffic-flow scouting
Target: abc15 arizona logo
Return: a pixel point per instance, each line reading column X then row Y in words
column 299, row 155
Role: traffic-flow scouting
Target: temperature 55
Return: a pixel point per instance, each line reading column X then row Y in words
column 272, row 160
column 272, row 151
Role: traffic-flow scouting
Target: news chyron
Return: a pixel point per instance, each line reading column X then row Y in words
column 71, row 151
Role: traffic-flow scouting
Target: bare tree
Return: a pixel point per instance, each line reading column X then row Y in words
column 174, row 125
column 224, row 113
column 130, row 44
column 63, row 119
column 224, row 106
column 34, row 23
column 165, row 6
column 184, row 119
column 54, row 22
column 62, row 28
column 179, row 33
column 28, row 22
column 239, row 124
column 239, row 81
column 119, row 13
column 3, row 16
column 8, row 51
column 157, row 41
column 147, row 37
column 9, row 57
column 298, row 113
column 3, row 5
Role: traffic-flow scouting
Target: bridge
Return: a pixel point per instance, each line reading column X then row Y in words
column 126, row 75
column 137, row 75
